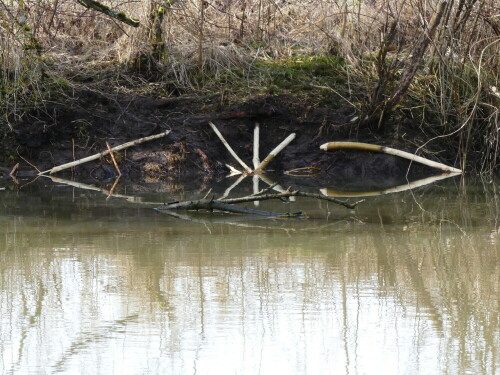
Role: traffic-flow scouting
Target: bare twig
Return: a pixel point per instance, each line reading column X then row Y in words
column 13, row 170
column 27, row 162
column 114, row 160
column 113, row 187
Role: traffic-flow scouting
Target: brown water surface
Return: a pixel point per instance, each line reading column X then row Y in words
column 408, row 283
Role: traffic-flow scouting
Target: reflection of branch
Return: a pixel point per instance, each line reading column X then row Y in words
column 396, row 189
column 81, row 185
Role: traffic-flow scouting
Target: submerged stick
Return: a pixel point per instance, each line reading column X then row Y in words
column 207, row 204
column 388, row 150
column 104, row 153
column 287, row 194
column 275, row 152
column 229, row 148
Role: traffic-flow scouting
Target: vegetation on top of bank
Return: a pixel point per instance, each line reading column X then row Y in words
column 432, row 65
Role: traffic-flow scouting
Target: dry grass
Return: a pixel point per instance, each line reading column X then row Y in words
column 454, row 95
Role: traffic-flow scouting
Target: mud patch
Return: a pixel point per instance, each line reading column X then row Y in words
column 60, row 133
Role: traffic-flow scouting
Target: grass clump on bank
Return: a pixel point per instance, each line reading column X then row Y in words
column 390, row 61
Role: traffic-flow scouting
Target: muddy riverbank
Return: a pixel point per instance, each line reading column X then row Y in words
column 58, row 133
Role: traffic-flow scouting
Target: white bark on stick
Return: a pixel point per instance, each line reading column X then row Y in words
column 231, row 151
column 256, row 144
column 388, row 150
column 104, row 153
column 275, row 152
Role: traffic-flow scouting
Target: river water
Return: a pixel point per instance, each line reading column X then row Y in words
column 408, row 283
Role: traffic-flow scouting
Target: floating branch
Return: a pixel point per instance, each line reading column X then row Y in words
column 228, row 205
column 388, row 150
column 288, row 194
column 104, row 153
column 210, row 205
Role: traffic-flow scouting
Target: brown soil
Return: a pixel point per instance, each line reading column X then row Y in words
column 61, row 132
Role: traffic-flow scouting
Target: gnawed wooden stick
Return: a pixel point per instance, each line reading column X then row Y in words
column 275, row 152
column 388, row 150
column 104, row 153
column 229, row 148
column 256, row 145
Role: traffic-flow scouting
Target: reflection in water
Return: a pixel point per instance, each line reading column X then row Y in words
column 410, row 284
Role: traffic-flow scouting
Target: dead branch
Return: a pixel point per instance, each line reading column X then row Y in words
column 104, row 153
column 120, row 16
column 14, row 170
column 113, row 160
column 210, row 205
column 288, row 194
